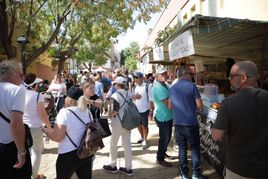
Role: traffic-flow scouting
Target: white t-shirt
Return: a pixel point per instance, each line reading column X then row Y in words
column 74, row 128
column 120, row 100
column 57, row 88
column 31, row 116
column 143, row 103
column 11, row 99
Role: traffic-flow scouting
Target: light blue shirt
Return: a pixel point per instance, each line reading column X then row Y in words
column 98, row 88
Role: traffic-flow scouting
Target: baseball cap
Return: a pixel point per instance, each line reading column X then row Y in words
column 74, row 92
column 120, row 80
column 161, row 70
column 137, row 74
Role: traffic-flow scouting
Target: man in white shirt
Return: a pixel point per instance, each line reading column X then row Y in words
column 14, row 156
column 142, row 99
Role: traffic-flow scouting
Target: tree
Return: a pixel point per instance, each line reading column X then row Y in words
column 88, row 26
column 129, row 56
column 165, row 34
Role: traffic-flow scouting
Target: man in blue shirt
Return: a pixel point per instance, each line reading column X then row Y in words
column 185, row 100
column 162, row 115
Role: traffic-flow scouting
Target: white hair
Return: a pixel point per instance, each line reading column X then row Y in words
column 8, row 66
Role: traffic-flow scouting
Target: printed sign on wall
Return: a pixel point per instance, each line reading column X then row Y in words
column 158, row 53
column 181, row 46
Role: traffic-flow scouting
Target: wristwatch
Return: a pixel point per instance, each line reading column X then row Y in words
column 22, row 153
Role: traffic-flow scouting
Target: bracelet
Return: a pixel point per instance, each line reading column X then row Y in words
column 22, row 153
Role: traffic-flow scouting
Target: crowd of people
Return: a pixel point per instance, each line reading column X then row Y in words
column 171, row 103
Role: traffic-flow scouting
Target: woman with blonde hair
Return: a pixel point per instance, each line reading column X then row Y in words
column 95, row 103
column 66, row 122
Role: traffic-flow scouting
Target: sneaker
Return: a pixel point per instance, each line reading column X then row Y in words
column 144, row 145
column 170, row 157
column 184, row 177
column 110, row 168
column 164, row 163
column 126, row 171
column 176, row 147
column 200, row 177
column 140, row 141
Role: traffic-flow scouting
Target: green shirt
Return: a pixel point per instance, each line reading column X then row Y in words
column 161, row 112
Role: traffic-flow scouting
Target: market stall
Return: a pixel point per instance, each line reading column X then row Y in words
column 211, row 41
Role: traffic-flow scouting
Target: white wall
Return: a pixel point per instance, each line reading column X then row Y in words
column 242, row 9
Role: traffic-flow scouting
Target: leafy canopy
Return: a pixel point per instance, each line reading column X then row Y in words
column 129, row 56
column 82, row 29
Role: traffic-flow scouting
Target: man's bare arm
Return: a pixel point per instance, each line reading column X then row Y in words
column 18, row 133
column 217, row 134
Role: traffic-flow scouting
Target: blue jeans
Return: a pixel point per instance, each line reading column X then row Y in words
column 165, row 130
column 190, row 134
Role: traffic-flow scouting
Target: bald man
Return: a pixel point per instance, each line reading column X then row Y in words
column 243, row 119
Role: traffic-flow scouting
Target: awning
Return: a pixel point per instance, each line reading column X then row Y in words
column 219, row 38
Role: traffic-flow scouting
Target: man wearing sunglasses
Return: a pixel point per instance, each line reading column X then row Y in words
column 242, row 118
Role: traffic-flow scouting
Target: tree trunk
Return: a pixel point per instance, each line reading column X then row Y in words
column 10, row 52
column 61, row 64
column 42, row 49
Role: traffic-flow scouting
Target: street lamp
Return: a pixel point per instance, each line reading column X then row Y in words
column 22, row 40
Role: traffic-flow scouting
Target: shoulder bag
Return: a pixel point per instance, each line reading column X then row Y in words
column 28, row 135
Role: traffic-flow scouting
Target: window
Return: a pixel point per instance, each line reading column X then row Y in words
column 193, row 11
column 184, row 20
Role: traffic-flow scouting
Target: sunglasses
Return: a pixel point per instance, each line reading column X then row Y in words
column 231, row 76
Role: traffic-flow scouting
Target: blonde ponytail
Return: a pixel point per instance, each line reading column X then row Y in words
column 82, row 103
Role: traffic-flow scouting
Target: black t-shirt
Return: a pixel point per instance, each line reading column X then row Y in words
column 68, row 83
column 95, row 111
column 244, row 118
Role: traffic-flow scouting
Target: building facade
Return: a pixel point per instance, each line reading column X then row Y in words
column 179, row 12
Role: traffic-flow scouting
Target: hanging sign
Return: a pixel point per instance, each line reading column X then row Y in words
column 158, row 53
column 181, row 46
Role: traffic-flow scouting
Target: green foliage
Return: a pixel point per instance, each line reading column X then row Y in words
column 131, row 63
column 163, row 35
column 129, row 56
column 89, row 25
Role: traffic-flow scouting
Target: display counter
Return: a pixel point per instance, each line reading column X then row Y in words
column 213, row 152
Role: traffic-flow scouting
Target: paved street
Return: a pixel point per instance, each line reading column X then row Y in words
column 144, row 165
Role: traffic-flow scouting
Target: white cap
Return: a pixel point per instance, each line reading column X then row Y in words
column 37, row 80
column 120, row 80
column 85, row 70
column 161, row 70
